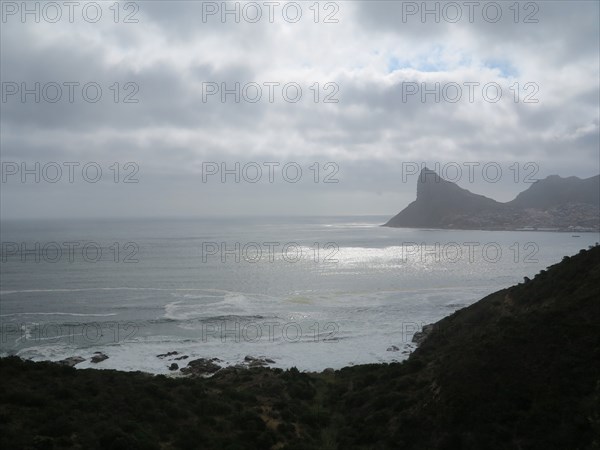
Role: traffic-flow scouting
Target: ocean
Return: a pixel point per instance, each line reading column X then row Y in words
column 309, row 292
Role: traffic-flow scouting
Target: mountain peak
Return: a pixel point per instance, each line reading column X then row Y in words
column 428, row 175
column 551, row 203
column 438, row 199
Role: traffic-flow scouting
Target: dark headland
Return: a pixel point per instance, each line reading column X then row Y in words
column 554, row 203
column 520, row 369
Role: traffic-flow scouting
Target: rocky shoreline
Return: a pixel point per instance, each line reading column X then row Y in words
column 72, row 361
column 182, row 365
column 203, row 367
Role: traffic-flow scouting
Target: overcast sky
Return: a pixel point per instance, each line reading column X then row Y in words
column 370, row 135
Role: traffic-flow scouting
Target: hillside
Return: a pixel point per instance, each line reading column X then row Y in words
column 520, row 369
column 554, row 191
column 561, row 204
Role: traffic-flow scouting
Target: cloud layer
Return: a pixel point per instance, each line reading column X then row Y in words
column 373, row 55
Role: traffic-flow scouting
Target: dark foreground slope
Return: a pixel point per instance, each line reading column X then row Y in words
column 520, row 369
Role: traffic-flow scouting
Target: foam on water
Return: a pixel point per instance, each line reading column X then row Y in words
column 336, row 329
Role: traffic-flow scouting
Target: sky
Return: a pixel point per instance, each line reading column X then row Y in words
column 155, row 108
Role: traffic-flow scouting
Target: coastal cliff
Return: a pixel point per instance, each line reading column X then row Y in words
column 554, row 203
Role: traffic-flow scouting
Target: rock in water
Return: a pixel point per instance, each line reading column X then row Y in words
column 98, row 357
column 174, row 366
column 420, row 336
column 72, row 361
column 199, row 367
column 261, row 361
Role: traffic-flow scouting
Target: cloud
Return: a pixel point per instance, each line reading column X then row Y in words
column 370, row 57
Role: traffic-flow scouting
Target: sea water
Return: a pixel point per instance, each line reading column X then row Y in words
column 309, row 292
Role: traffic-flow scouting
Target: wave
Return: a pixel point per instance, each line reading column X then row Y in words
column 209, row 319
column 58, row 314
column 126, row 288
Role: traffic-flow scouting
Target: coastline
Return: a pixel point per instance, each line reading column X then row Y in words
column 522, row 229
column 189, row 364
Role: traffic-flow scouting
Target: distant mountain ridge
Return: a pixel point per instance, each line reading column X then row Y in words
column 553, row 203
column 554, row 190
